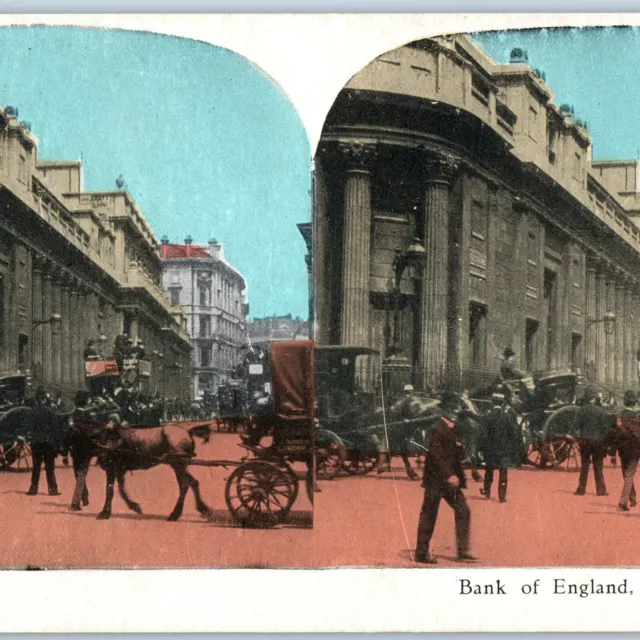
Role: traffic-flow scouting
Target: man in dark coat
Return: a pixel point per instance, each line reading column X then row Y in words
column 593, row 426
column 444, row 460
column 46, row 438
column 508, row 369
column 501, row 444
column 625, row 438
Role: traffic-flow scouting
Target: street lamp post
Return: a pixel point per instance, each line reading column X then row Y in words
column 398, row 367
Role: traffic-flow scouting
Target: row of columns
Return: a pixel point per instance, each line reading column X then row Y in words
column 57, row 347
column 436, row 344
column 611, row 357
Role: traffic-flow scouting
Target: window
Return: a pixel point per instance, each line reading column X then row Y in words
column 577, row 166
column 552, row 137
column 23, row 351
column 22, row 169
column 203, row 291
column 551, row 311
column 205, row 357
column 205, row 326
column 533, row 123
column 530, row 340
column 477, row 334
column 576, row 352
column 174, row 292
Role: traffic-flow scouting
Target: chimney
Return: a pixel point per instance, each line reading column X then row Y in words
column 164, row 240
column 519, row 56
column 188, row 240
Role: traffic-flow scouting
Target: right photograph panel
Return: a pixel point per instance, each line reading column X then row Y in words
column 476, row 267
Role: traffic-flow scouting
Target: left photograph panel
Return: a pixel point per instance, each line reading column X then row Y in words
column 157, row 371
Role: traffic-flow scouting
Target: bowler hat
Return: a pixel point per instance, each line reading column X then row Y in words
column 449, row 400
column 630, row 397
column 508, row 352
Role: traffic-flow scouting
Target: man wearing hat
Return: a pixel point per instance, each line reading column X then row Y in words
column 593, row 426
column 444, row 461
column 501, row 443
column 625, row 438
column 508, row 369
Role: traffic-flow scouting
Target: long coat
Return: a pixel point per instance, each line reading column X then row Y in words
column 501, row 443
column 444, row 457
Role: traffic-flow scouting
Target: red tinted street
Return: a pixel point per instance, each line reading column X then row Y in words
column 359, row 521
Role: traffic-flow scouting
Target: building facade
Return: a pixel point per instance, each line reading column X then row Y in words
column 214, row 295
column 527, row 242
column 76, row 266
column 262, row 331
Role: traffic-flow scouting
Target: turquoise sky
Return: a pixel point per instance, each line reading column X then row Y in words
column 207, row 144
column 593, row 69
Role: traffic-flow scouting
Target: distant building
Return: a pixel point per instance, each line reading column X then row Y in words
column 214, row 295
column 262, row 331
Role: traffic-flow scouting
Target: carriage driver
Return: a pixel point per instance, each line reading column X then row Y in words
column 508, row 369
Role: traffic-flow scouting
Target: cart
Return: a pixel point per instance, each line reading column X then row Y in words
column 261, row 491
column 546, row 413
column 264, row 485
column 15, row 423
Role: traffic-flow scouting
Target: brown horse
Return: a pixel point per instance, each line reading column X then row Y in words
column 120, row 449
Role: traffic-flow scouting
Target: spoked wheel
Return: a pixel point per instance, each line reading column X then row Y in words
column 359, row 463
column 260, row 494
column 540, row 455
column 330, row 460
column 17, row 454
column 565, row 453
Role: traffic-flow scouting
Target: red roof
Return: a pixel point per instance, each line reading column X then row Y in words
column 183, row 251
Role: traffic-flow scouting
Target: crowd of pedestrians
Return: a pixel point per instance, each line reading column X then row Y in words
column 462, row 438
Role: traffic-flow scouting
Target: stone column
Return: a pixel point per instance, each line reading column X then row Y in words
column 635, row 305
column 601, row 308
column 620, row 352
column 36, row 317
column 610, row 338
column 435, row 278
column 629, row 342
column 590, row 330
column 65, row 335
column 56, row 329
column 356, row 242
column 47, row 343
column 76, row 371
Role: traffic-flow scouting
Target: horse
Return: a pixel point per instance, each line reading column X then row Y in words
column 121, row 448
column 403, row 432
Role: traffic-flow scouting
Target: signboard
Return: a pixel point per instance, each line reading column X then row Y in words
column 256, row 369
column 101, row 368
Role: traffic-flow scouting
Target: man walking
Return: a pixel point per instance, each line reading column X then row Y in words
column 593, row 426
column 444, row 460
column 501, row 444
column 625, row 439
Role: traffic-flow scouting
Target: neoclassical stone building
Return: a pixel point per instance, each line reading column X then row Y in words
column 214, row 295
column 529, row 243
column 77, row 266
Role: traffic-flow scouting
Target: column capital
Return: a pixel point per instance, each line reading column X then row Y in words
column 441, row 167
column 359, row 155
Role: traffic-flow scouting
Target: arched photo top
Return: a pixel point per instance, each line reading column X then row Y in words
column 206, row 144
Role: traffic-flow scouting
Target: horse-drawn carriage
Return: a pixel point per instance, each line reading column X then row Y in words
column 14, row 446
column 355, row 430
column 263, row 486
column 232, row 406
column 546, row 407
